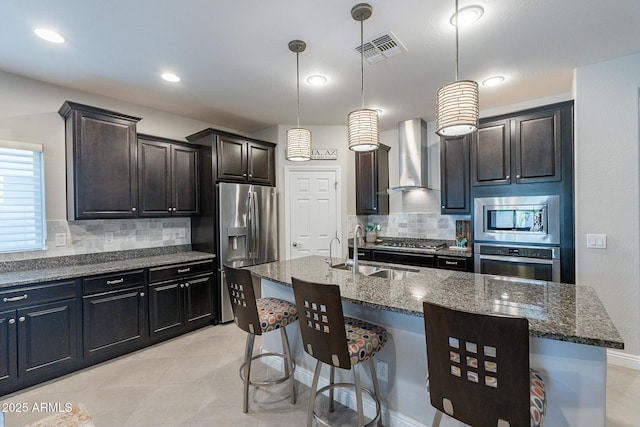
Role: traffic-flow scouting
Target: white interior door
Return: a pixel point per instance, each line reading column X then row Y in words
column 312, row 211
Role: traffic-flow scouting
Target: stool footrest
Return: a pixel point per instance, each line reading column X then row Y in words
column 272, row 381
column 349, row 385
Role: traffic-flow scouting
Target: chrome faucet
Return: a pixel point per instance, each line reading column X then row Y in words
column 355, row 248
column 330, row 259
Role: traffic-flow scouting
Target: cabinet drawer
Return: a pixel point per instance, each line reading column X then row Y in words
column 453, row 263
column 422, row 260
column 112, row 281
column 158, row 274
column 29, row 295
column 363, row 254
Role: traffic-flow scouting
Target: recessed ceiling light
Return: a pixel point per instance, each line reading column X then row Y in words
column 316, row 80
column 493, row 81
column 170, row 77
column 49, row 35
column 467, row 15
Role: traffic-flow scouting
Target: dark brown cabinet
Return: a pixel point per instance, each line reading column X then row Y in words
column 38, row 333
column 180, row 298
column 372, row 182
column 101, row 152
column 241, row 160
column 168, row 177
column 522, row 149
column 114, row 314
column 454, row 176
column 455, row 263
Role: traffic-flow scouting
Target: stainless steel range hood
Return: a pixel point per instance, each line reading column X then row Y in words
column 413, row 156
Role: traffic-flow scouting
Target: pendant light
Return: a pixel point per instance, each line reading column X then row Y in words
column 457, row 103
column 298, row 139
column 363, row 124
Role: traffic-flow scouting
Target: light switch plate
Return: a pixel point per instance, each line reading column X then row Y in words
column 597, row 241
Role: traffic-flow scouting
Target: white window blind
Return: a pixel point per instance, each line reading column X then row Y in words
column 22, row 208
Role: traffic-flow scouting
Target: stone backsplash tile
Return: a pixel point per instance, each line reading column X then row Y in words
column 410, row 225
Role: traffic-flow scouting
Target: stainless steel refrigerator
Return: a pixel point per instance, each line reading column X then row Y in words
column 247, row 230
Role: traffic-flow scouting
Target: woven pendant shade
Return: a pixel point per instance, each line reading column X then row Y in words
column 363, row 130
column 457, row 108
column 298, row 144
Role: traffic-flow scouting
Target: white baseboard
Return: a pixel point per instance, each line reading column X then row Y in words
column 626, row 360
column 347, row 397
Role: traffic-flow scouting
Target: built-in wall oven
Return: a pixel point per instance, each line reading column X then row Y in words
column 518, row 236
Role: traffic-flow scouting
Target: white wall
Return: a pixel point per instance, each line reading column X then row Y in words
column 607, row 189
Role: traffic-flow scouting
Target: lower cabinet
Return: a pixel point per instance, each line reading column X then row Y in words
column 38, row 333
column 183, row 303
column 114, row 314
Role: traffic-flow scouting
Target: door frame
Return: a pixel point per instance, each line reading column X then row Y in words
column 288, row 170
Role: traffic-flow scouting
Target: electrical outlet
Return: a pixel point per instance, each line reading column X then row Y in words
column 382, row 370
column 61, row 239
column 108, row 236
column 182, row 233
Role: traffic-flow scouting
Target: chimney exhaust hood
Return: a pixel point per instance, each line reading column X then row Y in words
column 413, row 156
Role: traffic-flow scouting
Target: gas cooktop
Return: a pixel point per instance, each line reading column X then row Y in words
column 434, row 245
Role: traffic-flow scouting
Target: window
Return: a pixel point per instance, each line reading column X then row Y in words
column 22, row 211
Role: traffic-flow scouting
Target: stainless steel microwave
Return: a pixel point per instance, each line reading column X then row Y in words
column 528, row 219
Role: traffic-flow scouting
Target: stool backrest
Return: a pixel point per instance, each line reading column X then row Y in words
column 478, row 366
column 243, row 299
column 322, row 322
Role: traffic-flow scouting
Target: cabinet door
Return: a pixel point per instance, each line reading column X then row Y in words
column 538, row 147
column 154, row 172
column 47, row 336
column 199, row 300
column 261, row 163
column 105, row 178
column 372, row 181
column 232, row 159
column 185, row 182
column 8, row 350
column 491, row 154
column 454, row 175
column 114, row 320
column 166, row 307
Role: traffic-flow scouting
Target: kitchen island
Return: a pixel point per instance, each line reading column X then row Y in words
column 569, row 328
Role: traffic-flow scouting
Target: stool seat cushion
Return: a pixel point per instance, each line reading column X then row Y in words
column 275, row 313
column 364, row 339
column 538, row 398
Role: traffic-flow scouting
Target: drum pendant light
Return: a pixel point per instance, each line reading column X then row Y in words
column 298, row 139
column 363, row 124
column 457, row 106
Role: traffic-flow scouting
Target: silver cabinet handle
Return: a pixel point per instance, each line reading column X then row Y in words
column 12, row 321
column 442, row 206
column 174, row 209
column 508, row 176
column 182, row 285
column 14, row 299
column 115, row 282
column 186, row 285
column 21, row 319
column 244, row 174
column 250, row 175
column 169, row 209
column 517, row 176
column 141, row 294
column 184, row 270
column 133, row 209
column 451, row 262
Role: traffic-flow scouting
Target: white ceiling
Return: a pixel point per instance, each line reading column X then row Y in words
column 238, row 72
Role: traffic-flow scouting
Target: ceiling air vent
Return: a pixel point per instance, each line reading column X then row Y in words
column 380, row 47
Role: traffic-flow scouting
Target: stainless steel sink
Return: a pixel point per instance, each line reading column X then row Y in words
column 386, row 272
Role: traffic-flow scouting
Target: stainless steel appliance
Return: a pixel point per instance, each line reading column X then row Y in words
column 247, row 230
column 530, row 219
column 528, row 262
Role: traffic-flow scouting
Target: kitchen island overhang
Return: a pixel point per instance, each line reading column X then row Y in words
column 569, row 328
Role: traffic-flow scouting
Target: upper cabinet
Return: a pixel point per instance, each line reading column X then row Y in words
column 168, row 177
column 521, row 149
column 372, row 182
column 242, row 160
column 454, row 176
column 101, row 162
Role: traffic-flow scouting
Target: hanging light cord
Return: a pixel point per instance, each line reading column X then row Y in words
column 298, row 88
column 362, row 59
column 457, row 23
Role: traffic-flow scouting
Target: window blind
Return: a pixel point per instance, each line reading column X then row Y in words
column 22, row 208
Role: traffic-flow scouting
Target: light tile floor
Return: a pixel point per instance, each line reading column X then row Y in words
column 193, row 381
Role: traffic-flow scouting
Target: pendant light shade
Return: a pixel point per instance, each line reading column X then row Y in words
column 363, row 132
column 457, row 104
column 298, row 139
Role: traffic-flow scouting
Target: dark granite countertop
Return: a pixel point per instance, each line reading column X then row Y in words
column 444, row 251
column 62, row 268
column 556, row 311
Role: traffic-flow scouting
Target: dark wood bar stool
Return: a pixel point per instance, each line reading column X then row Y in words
column 479, row 369
column 257, row 316
column 343, row 342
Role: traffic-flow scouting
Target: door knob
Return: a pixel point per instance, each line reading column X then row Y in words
column 294, row 244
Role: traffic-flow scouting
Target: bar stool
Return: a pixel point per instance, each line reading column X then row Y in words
column 330, row 337
column 257, row 316
column 479, row 369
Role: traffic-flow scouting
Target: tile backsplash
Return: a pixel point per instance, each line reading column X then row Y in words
column 410, row 225
column 87, row 237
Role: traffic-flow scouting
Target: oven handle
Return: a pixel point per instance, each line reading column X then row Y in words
column 516, row 259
